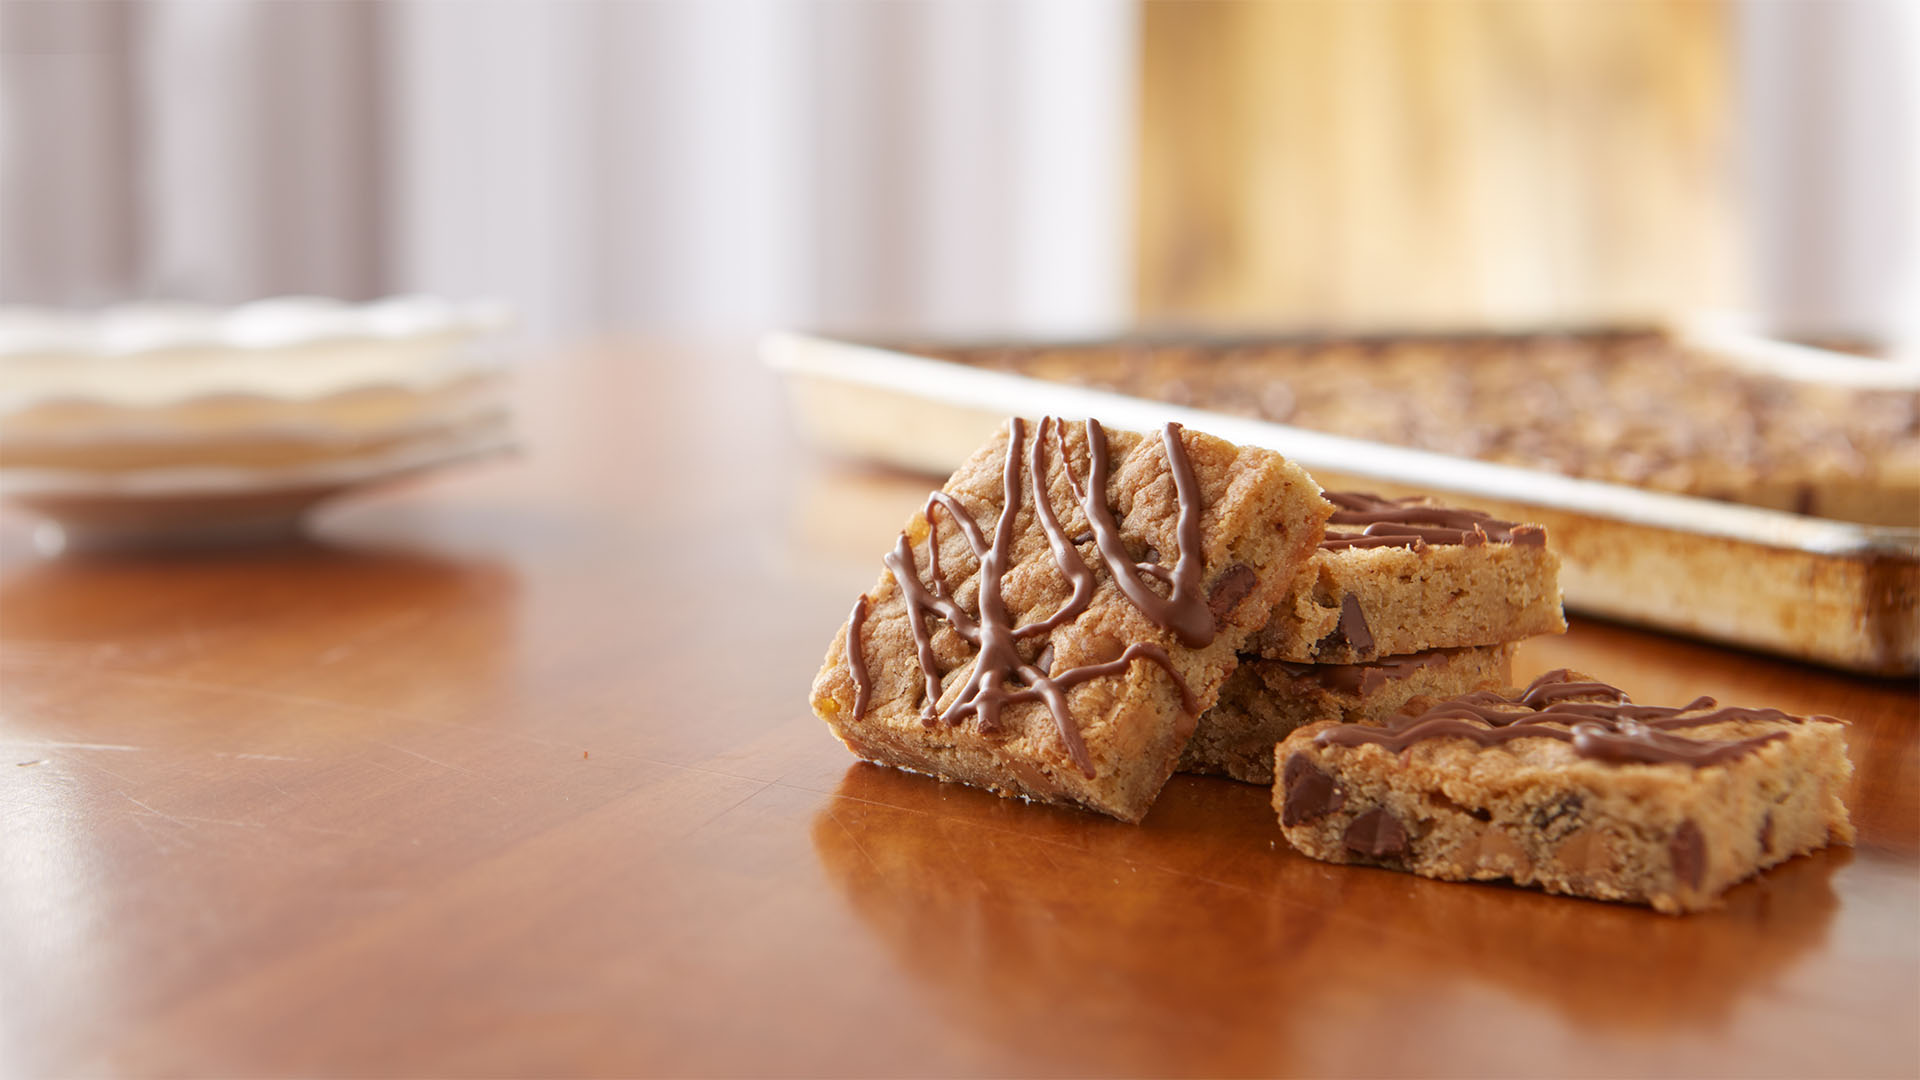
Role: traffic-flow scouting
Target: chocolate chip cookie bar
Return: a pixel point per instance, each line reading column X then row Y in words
column 1054, row 621
column 1568, row 786
column 1400, row 576
column 1264, row 701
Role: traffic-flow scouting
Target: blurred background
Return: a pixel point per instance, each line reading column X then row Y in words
column 1062, row 166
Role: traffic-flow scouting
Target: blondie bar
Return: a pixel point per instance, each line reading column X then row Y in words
column 1264, row 701
column 1567, row 786
column 1054, row 621
column 1400, row 576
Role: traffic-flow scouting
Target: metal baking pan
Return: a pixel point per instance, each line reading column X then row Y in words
column 1829, row 592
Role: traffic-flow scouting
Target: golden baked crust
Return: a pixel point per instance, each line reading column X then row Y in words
column 1258, row 517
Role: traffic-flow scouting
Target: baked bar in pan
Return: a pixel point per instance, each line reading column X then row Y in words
column 1635, row 407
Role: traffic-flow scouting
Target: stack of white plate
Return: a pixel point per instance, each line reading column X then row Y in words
column 171, row 423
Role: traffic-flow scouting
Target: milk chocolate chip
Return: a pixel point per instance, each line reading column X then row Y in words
column 1585, row 851
column 1353, row 626
column 1689, row 851
column 1310, row 793
column 1230, row 588
column 1498, row 851
column 1766, row 833
column 1378, row 834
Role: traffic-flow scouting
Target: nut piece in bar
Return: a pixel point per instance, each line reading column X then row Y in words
column 1053, row 622
column 1264, row 701
column 1398, row 576
column 1568, row 786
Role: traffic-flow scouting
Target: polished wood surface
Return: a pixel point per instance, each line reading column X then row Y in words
column 511, row 772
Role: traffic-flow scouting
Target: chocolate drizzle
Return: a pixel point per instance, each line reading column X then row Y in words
column 1611, row 730
column 1185, row 612
column 857, row 657
column 998, row 661
column 1367, row 677
column 1415, row 522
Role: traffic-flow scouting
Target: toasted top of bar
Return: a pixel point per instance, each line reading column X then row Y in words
column 1365, row 520
column 1017, row 602
column 1563, row 716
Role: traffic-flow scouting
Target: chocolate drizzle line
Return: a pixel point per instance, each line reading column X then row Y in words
column 857, row 657
column 993, row 634
column 1185, row 612
column 1414, row 522
column 1611, row 730
column 1367, row 676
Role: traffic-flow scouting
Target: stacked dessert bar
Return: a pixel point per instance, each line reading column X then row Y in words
column 1079, row 612
column 1403, row 597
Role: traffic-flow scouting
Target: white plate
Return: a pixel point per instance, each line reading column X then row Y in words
column 194, row 507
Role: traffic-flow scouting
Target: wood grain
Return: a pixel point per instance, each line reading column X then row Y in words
column 1435, row 162
column 511, row 773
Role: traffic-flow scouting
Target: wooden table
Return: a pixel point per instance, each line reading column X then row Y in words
column 512, row 772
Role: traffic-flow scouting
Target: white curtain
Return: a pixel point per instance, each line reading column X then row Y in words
column 1830, row 96
column 724, row 165
column 198, row 150
column 682, row 167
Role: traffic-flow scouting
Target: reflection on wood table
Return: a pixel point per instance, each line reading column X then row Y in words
column 511, row 772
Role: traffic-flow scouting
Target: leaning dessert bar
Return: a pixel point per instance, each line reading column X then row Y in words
column 1055, row 620
column 1568, row 786
column 1405, row 597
